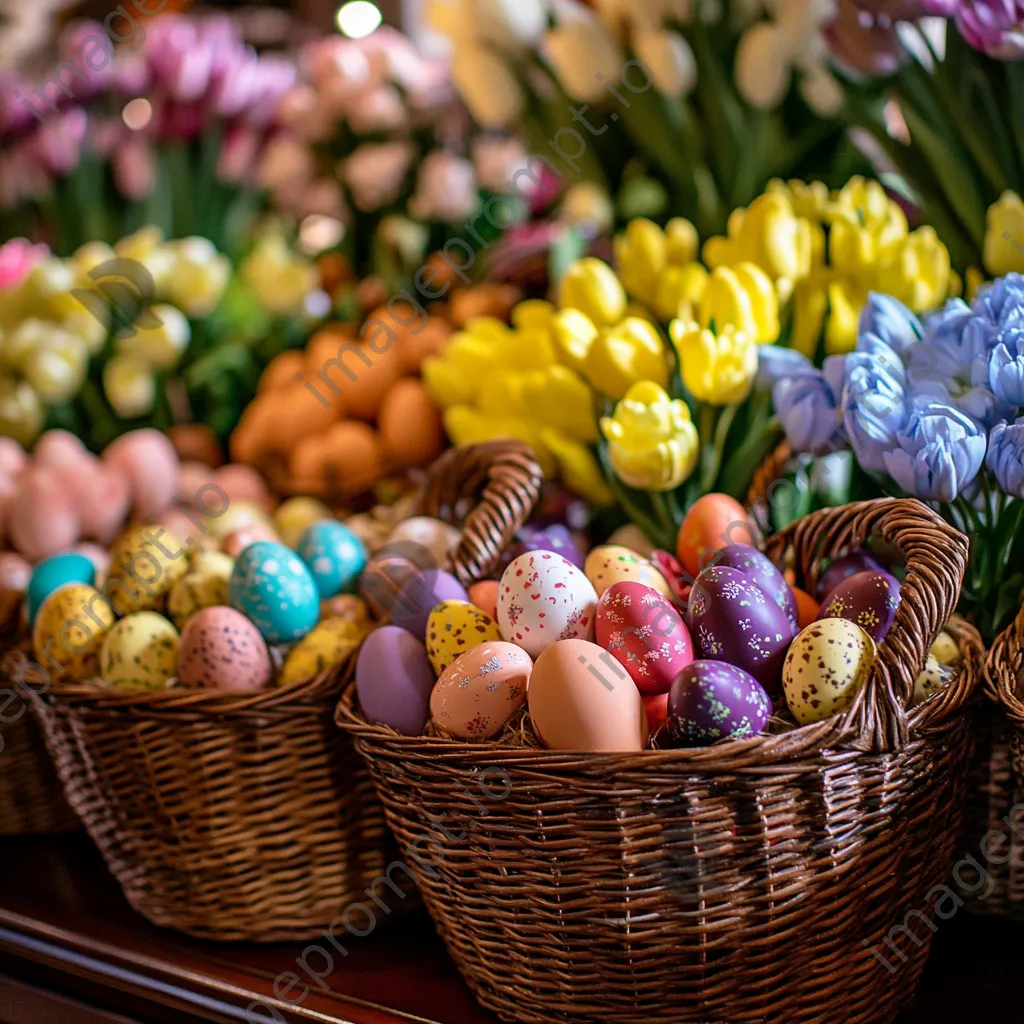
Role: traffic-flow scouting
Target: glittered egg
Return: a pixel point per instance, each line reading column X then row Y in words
column 542, row 598
column 221, row 649
column 609, row 564
column 140, row 652
column 195, row 591
column 438, row 538
column 826, row 666
column 272, row 586
column 69, row 631
column 394, row 680
column 55, row 572
column 732, row 619
column 294, row 516
column 326, row 646
column 868, row 598
column 930, row 680
column 145, row 563
column 420, row 594
column 481, row 690
column 711, row 701
column 760, row 568
column 333, row 554
column 644, row 633
column 455, row 627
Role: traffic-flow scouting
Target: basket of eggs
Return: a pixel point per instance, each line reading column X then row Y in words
column 187, row 701
column 612, row 776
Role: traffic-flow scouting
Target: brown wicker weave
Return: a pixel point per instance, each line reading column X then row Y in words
column 735, row 883
column 226, row 816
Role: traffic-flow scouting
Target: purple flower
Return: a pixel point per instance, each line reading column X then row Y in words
column 864, row 40
column 1005, row 460
column 996, row 27
column 775, row 363
column 1006, row 367
column 889, row 320
column 873, row 404
column 806, row 405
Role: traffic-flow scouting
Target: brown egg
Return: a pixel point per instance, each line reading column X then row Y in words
column 196, row 442
column 345, row 461
column 430, row 340
column 249, row 439
column 374, row 375
column 410, row 426
column 297, row 414
column 324, row 346
column 282, row 370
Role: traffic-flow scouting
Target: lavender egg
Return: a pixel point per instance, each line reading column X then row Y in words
column 710, row 701
column 555, row 538
column 421, row 592
column 394, row 680
column 868, row 598
column 733, row 620
column 842, row 568
column 760, row 568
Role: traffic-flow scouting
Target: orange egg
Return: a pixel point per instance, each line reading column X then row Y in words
column 282, row 370
column 806, row 607
column 359, row 375
column 353, row 464
column 410, row 426
column 656, row 706
column 297, row 414
column 249, row 439
column 429, row 340
column 713, row 521
column 485, row 596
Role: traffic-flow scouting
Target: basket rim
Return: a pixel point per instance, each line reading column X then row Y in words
column 1004, row 669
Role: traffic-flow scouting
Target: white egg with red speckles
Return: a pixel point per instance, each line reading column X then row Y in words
column 543, row 597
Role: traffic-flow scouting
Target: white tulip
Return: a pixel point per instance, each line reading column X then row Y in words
column 670, row 61
column 820, row 89
column 505, row 23
column 163, row 345
column 487, row 86
column 583, row 54
column 763, row 65
column 129, row 385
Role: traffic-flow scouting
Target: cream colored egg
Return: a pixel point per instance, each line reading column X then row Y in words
column 439, row 538
column 140, row 652
column 145, row 563
column 195, row 591
column 69, row 631
column 632, row 537
column 296, row 515
column 945, row 649
column 236, row 516
column 455, row 627
column 215, row 563
column 323, row 647
column 612, row 563
column 931, row 680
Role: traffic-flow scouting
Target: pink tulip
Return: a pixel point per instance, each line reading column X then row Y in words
column 17, row 258
column 134, row 168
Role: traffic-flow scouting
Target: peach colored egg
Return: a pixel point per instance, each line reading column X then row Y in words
column 485, row 596
column 478, row 692
column 353, row 462
column 806, row 607
column 238, row 540
column 243, row 483
column 150, row 462
column 581, row 698
column 375, row 373
column 222, row 650
column 196, row 442
column 410, row 426
column 713, row 522
column 282, row 370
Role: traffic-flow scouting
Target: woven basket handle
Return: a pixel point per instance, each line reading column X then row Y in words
column 504, row 478
column 936, row 557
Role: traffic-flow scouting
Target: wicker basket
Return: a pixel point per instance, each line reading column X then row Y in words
column 746, row 881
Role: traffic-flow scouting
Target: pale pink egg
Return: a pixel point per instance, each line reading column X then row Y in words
column 183, row 524
column 238, row 540
column 243, row 483
column 104, row 499
column 42, row 517
column 150, row 462
column 58, row 448
column 99, row 557
column 192, row 478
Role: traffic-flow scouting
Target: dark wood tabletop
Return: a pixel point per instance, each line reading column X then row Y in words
column 73, row 952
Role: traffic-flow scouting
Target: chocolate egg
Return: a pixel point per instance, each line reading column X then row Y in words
column 760, row 568
column 644, row 633
column 711, row 701
column 455, row 627
column 609, row 564
column 394, row 680
column 221, row 649
column 732, row 619
column 846, row 565
column 868, row 598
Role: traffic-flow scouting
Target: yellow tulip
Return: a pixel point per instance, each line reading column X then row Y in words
column 531, row 349
column 560, row 398
column 680, row 290
column 488, row 328
column 630, row 351
column 532, row 313
column 279, row 277
column 92, row 331
column 21, row 411
column 161, row 346
column 652, row 444
column 810, row 200
column 91, row 255
column 470, row 426
column 716, row 368
column 683, row 244
column 920, row 274
column 845, row 301
column 741, row 297
column 578, row 468
column 810, row 304
column 471, row 355
column 868, row 228
column 199, row 276
column 640, row 255
column 764, row 301
column 591, row 287
column 140, row 244
column 573, row 334
column 1004, row 236
column 56, row 368
column 502, row 394
column 445, row 384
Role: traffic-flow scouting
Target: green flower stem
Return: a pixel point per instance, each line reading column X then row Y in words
column 721, row 432
column 649, row 526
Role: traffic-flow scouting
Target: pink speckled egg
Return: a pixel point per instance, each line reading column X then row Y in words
column 222, row 650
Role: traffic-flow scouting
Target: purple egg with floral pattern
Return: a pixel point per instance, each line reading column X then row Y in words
column 711, row 701
column 842, row 568
column 868, row 598
column 732, row 619
column 761, row 569
column 555, row 538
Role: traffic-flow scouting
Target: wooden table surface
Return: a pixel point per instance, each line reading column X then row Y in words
column 73, row 952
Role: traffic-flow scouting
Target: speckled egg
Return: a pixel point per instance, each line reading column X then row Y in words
column 826, row 667
column 609, row 564
column 439, row 538
column 711, row 701
column 542, row 598
column 644, row 633
column 69, row 631
column 221, row 649
column 140, row 652
column 481, row 690
column 326, row 646
column 215, row 562
column 146, row 562
column 760, row 568
column 233, row 515
column 868, row 598
column 420, row 594
column 333, row 554
column 194, row 591
column 295, row 516
column 931, row 679
column 945, row 650
column 394, row 680
column 455, row 627
column 272, row 586
column 53, row 573
column 732, row 619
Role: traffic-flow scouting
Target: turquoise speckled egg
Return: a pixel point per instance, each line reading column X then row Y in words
column 54, row 573
column 333, row 554
column 271, row 586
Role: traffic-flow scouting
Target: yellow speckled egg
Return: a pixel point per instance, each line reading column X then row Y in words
column 612, row 563
column 140, row 652
column 826, row 667
column 296, row 515
column 145, row 563
column 216, row 563
column 455, row 627
column 931, row 680
column 324, row 646
column 945, row 650
column 70, row 627
column 194, row 591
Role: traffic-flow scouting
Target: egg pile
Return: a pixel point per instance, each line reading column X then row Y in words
column 228, row 607
column 613, row 652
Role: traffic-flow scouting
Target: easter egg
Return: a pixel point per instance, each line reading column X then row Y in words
column 632, row 537
column 221, row 649
column 394, row 680
column 15, row 574
column 826, row 667
column 56, row 572
column 345, row 606
column 235, row 542
column 711, row 701
column 712, row 522
column 555, row 538
column 481, row 690
column 930, row 680
column 389, row 571
column 69, row 631
column 732, row 619
column 324, row 647
column 945, row 650
column 140, row 652
column 195, row 591
column 99, row 556
column 145, row 563
column 868, row 598
column 760, row 568
column 272, row 587
column 229, row 516
column 806, row 607
column 422, row 592
column 844, row 566
column 581, row 698
column 542, row 598
column 455, row 627
column 294, row 516
column 334, row 555
column 216, row 563
column 656, row 706
column 607, row 564
column 438, row 538
column 644, row 633
column 485, row 596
